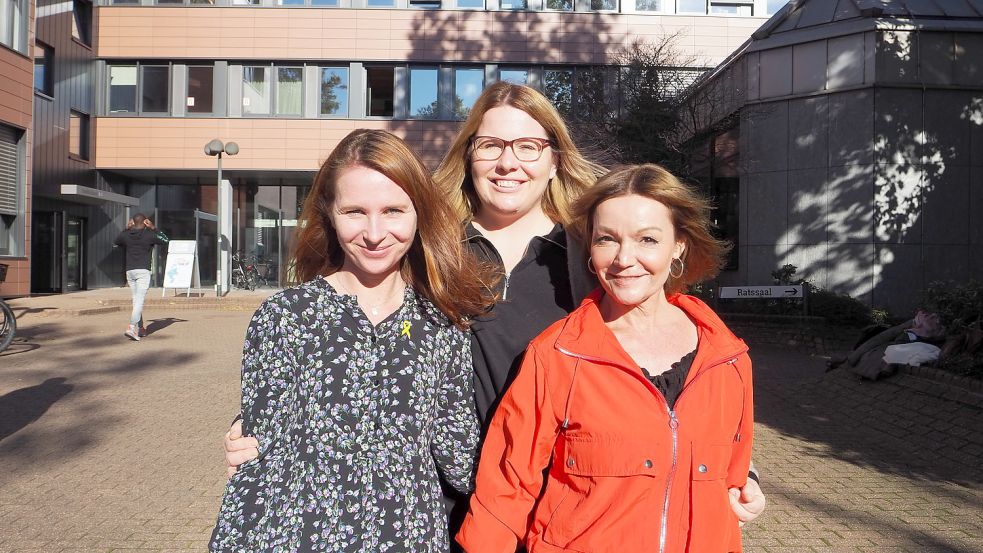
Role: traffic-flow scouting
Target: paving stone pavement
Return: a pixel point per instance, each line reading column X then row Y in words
column 108, row 445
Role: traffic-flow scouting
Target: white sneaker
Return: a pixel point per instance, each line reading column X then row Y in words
column 132, row 334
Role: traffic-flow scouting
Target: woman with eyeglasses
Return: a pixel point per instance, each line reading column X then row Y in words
column 513, row 173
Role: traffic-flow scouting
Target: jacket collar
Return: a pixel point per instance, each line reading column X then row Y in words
column 556, row 236
column 585, row 335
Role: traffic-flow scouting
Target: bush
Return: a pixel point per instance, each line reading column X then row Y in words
column 839, row 309
column 957, row 305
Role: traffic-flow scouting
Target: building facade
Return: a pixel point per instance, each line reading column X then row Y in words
column 848, row 139
column 16, row 96
column 286, row 80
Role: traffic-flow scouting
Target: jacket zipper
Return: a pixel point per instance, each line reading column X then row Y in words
column 673, row 427
column 505, row 288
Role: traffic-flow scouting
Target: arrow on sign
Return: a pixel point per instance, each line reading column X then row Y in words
column 791, row 292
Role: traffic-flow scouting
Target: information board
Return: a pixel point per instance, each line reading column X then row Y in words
column 181, row 268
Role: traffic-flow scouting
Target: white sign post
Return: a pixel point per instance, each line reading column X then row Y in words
column 181, row 269
column 761, row 292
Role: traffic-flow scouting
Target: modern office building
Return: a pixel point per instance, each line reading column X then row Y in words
column 848, row 139
column 140, row 86
column 16, row 95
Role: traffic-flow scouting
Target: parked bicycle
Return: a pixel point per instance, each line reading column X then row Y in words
column 8, row 324
column 244, row 273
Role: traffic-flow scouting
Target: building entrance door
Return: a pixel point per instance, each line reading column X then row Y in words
column 74, row 253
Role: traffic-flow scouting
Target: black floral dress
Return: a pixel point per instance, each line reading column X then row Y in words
column 354, row 422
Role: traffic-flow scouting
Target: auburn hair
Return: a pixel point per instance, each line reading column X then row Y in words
column 437, row 265
column 703, row 255
column 574, row 173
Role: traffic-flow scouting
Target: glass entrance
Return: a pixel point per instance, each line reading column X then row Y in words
column 74, row 253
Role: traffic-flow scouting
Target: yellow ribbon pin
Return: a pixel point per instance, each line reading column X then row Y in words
column 406, row 329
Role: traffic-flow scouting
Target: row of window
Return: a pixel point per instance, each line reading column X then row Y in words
column 415, row 92
column 733, row 7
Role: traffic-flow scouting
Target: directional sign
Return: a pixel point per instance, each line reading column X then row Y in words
column 761, row 292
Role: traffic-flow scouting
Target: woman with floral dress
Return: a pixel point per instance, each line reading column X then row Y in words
column 357, row 383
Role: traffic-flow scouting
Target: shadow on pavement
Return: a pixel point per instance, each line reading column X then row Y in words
column 160, row 324
column 881, row 425
column 26, row 405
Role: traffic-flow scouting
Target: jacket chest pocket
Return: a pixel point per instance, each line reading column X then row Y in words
column 591, row 456
column 710, row 461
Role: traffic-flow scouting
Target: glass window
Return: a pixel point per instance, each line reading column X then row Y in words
column 43, row 69
column 692, row 6
column 560, row 5
column 289, row 90
column 379, row 91
column 11, row 176
column 479, row 4
column 334, row 91
column 423, row 93
column 648, row 5
column 290, row 2
column 78, row 135
column 82, row 22
column 425, row 4
column 604, row 5
column 256, row 90
column 324, row 2
column 126, row 1
column 468, row 84
column 517, row 76
column 558, row 87
column 772, row 7
column 122, row 89
column 155, row 88
column 513, row 4
column 200, row 89
column 381, row 3
column 589, row 89
column 13, row 24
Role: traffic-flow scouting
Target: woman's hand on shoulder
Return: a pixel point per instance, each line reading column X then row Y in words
column 747, row 502
column 238, row 449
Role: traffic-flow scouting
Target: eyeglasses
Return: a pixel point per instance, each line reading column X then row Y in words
column 490, row 148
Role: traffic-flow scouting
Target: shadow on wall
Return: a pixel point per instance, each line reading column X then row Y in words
column 877, row 185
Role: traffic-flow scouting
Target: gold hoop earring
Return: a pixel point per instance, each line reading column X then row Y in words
column 682, row 267
column 590, row 266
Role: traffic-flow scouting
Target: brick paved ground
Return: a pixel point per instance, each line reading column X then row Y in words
column 108, row 445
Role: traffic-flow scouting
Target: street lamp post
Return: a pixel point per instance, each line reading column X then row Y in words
column 217, row 148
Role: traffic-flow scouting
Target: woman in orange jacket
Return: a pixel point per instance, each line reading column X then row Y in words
column 636, row 409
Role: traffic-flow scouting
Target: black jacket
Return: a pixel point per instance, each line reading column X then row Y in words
column 138, row 243
column 548, row 282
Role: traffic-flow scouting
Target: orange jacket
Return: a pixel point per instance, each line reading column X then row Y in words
column 625, row 474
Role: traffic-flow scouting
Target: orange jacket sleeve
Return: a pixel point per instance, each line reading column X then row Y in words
column 517, row 449
column 740, row 459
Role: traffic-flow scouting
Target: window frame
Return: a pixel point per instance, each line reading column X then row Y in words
column 141, row 82
column 14, row 35
column 368, row 89
column 187, row 90
column 273, row 82
column 49, row 68
column 456, row 68
column 84, row 152
column 109, row 90
column 437, row 103
column 348, row 92
column 82, row 22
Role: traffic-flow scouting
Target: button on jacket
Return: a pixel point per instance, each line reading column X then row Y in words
column 625, row 473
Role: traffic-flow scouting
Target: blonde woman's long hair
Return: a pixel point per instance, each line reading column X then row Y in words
column 574, row 173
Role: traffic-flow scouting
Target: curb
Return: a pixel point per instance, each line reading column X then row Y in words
column 961, row 389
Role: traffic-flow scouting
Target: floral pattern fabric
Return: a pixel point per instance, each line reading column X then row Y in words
column 355, row 424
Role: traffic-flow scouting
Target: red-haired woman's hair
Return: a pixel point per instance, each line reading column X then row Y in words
column 437, row 264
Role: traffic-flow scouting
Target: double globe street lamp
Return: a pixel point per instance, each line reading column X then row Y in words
column 217, row 148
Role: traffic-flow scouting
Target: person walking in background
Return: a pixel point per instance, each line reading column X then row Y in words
column 139, row 239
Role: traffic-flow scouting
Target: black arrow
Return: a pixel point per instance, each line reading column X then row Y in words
column 791, row 292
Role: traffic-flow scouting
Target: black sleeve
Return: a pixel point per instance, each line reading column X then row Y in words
column 119, row 239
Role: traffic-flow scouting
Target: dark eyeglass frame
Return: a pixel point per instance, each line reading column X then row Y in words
column 543, row 143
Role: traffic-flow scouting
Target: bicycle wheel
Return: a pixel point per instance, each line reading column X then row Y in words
column 8, row 325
